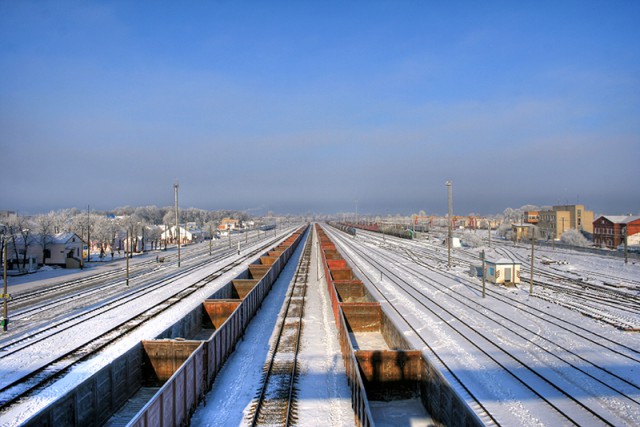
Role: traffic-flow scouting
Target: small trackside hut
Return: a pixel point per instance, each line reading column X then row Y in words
column 502, row 271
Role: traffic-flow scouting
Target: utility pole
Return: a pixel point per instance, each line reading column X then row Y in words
column 88, row 235
column 5, row 296
column 127, row 254
column 483, row 275
column 175, row 189
column 624, row 236
column 533, row 241
column 356, row 213
column 449, row 184
column 210, row 239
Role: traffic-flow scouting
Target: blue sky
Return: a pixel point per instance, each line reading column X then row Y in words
column 309, row 106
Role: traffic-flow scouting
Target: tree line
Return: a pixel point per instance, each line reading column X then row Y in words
column 103, row 228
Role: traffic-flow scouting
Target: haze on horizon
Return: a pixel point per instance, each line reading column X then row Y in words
column 308, row 107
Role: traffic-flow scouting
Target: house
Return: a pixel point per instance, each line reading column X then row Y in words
column 62, row 247
column 49, row 250
column 186, row 236
column 553, row 223
column 502, row 271
column 228, row 224
column 531, row 217
column 609, row 230
column 132, row 243
column 523, row 231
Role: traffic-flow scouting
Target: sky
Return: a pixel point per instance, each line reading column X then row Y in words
column 299, row 107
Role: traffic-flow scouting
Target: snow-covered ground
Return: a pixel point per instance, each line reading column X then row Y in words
column 324, row 397
column 37, row 356
column 526, row 360
column 510, row 350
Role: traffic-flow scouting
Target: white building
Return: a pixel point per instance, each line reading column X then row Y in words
column 56, row 250
column 63, row 246
column 502, row 270
column 186, row 236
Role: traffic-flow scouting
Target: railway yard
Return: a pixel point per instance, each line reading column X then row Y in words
column 312, row 325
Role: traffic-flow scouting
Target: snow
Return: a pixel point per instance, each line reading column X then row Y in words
column 324, row 397
column 580, row 355
column 36, row 356
column 47, row 275
column 368, row 340
column 408, row 412
column 531, row 337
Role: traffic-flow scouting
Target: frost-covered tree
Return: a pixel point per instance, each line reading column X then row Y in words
column 512, row 216
column 574, row 238
column 63, row 220
column 104, row 232
column 19, row 230
column 44, row 228
column 151, row 214
column 153, row 235
column 472, row 239
column 124, row 211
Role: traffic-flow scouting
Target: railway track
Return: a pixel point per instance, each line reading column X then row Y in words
column 275, row 403
column 609, row 305
column 106, row 305
column 54, row 291
column 526, row 370
column 600, row 340
column 615, row 307
column 21, row 385
column 42, row 308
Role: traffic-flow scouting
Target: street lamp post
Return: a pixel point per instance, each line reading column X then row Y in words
column 175, row 188
column 127, row 254
column 449, row 184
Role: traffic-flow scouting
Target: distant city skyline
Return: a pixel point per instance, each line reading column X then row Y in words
column 308, row 107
